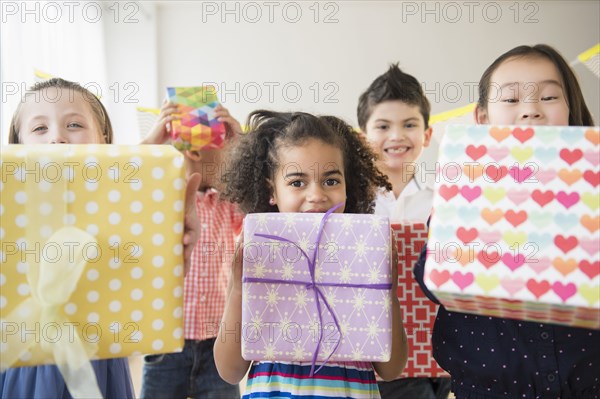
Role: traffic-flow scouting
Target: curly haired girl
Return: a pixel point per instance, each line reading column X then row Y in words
column 297, row 162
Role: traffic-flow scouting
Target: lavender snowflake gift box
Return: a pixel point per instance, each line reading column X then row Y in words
column 334, row 303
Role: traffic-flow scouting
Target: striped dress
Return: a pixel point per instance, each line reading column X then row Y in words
column 354, row 380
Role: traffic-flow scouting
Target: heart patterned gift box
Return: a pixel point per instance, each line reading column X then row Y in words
column 515, row 228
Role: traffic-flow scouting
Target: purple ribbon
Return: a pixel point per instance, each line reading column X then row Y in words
column 319, row 295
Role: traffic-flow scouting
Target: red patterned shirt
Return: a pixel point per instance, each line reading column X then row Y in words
column 205, row 287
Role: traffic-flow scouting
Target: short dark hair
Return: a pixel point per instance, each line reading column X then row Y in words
column 98, row 109
column 394, row 85
column 579, row 114
column 253, row 160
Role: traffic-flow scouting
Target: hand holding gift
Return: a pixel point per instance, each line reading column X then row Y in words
column 196, row 126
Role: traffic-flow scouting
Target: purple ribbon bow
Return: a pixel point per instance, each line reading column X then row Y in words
column 312, row 284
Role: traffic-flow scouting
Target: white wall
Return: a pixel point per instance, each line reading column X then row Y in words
column 149, row 45
column 200, row 42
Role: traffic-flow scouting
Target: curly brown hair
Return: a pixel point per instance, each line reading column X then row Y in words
column 253, row 160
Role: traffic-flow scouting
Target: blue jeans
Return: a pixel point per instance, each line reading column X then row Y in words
column 415, row 388
column 190, row 373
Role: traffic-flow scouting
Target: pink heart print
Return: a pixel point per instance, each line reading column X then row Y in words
column 470, row 193
column 463, row 280
column 513, row 262
column 539, row 265
column 567, row 199
column 520, row 175
column 512, row 286
column 564, row 291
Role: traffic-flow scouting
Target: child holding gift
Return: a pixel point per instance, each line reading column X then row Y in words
column 490, row 357
column 393, row 115
column 192, row 373
column 345, row 174
column 52, row 112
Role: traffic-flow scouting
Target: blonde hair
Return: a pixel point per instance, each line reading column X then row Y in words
column 98, row 109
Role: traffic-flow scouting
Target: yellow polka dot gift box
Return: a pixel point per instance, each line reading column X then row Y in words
column 92, row 256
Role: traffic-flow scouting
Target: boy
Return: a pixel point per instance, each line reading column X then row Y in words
column 192, row 373
column 393, row 115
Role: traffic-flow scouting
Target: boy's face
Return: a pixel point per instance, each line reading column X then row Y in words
column 396, row 132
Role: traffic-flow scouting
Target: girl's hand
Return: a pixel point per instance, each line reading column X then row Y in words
column 232, row 126
column 160, row 132
column 235, row 281
column 191, row 220
column 392, row 369
column 231, row 365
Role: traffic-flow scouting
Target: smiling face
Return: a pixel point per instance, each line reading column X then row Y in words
column 54, row 115
column 309, row 178
column 396, row 132
column 525, row 91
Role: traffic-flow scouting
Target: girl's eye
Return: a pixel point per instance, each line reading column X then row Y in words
column 39, row 129
column 74, row 124
column 510, row 100
column 332, row 182
column 381, row 127
column 297, row 183
column 549, row 98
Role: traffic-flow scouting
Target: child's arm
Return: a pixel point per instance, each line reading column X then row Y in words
column 228, row 346
column 392, row 369
column 232, row 125
column 419, row 272
column 160, row 131
column 191, row 220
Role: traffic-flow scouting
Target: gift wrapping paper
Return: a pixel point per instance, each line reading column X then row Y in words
column 280, row 315
column 197, row 128
column 91, row 250
column 418, row 312
column 515, row 226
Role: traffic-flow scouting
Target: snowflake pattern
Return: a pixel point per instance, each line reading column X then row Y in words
column 331, row 298
column 361, row 248
column 357, row 354
column 374, row 275
column 259, row 270
column 298, row 352
column 290, row 219
column 346, row 222
column 300, row 299
column 345, row 274
column 359, row 301
column 272, row 298
column 288, row 271
column 376, row 222
column 372, row 329
column 305, row 244
column 270, row 352
column 344, row 327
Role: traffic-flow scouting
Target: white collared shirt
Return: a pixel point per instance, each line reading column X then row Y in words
column 413, row 204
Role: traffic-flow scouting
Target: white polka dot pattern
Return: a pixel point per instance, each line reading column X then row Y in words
column 130, row 199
